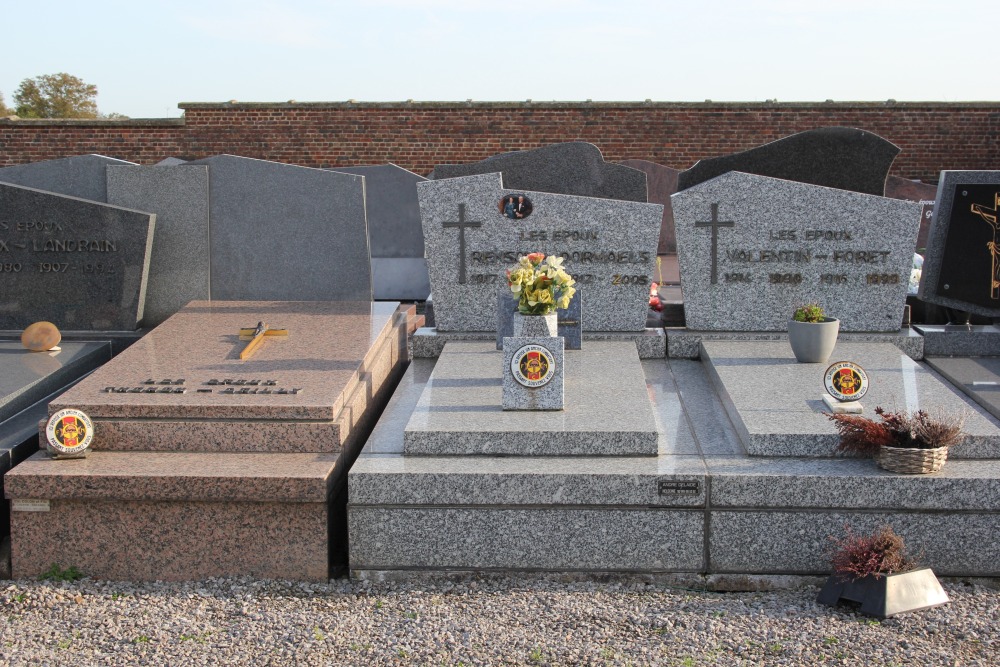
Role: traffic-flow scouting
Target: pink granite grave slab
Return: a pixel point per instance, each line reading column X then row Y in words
column 331, row 351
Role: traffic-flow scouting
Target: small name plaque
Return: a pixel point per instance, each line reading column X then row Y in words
column 678, row 488
column 29, row 505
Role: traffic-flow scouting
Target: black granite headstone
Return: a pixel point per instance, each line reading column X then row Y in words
column 76, row 263
column 573, row 168
column 962, row 264
column 835, row 157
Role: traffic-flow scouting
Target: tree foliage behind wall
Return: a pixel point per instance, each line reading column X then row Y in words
column 56, row 96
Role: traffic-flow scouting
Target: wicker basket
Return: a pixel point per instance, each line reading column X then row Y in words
column 912, row 461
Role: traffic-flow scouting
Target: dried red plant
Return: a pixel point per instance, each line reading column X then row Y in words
column 881, row 553
column 913, row 430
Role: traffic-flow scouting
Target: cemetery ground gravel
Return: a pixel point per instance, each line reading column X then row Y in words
column 474, row 622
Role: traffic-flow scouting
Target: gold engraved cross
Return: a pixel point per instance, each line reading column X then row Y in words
column 256, row 337
column 990, row 216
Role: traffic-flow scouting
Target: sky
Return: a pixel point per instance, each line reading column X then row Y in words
column 147, row 56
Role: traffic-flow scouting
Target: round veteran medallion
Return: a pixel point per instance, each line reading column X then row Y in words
column 69, row 431
column 846, row 381
column 533, row 366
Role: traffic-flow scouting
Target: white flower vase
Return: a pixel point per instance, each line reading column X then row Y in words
column 536, row 326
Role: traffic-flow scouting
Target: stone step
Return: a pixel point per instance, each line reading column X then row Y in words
column 776, row 403
column 460, row 413
column 336, row 389
column 173, row 516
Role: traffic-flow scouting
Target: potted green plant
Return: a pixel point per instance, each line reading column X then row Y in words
column 541, row 286
column 876, row 571
column 906, row 442
column 812, row 334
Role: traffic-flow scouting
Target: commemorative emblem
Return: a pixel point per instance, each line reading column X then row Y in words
column 69, row 433
column 846, row 381
column 533, row 366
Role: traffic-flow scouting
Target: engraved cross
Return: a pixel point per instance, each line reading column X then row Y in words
column 715, row 223
column 462, row 224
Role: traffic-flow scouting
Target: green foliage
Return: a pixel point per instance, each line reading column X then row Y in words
column 810, row 312
column 56, row 96
column 4, row 109
column 55, row 573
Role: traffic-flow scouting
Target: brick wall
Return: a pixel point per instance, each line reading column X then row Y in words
column 417, row 135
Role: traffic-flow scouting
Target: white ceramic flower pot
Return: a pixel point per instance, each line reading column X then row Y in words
column 536, row 326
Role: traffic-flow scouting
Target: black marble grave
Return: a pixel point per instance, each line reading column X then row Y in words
column 834, row 157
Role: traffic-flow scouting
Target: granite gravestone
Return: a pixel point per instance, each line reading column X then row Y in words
column 179, row 263
column 609, row 247
column 661, row 182
column 80, row 176
column 752, row 248
column 399, row 270
column 189, row 437
column 962, row 265
column 924, row 193
column 286, row 233
column 78, row 264
column 836, row 157
column 573, row 168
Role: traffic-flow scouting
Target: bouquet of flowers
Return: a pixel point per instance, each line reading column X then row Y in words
column 541, row 284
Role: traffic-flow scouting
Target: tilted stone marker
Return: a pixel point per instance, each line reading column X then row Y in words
column 78, row 264
column 80, row 176
column 752, row 248
column 572, row 168
column 179, row 263
column 661, row 182
column 962, row 265
column 609, row 248
column 835, row 157
column 286, row 233
column 399, row 270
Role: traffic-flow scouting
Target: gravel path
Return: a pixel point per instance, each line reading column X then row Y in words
column 497, row 622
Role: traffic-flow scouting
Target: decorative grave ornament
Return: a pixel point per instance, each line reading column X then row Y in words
column 256, row 337
column 533, row 377
column 69, row 433
column 846, row 383
column 41, row 337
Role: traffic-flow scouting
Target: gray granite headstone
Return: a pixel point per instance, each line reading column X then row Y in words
column 170, row 162
column 179, row 264
column 661, row 182
column 609, row 247
column 399, row 270
column 752, row 248
column 569, row 321
column 573, row 168
column 80, row 176
column 280, row 232
column 835, row 157
column 961, row 270
column 78, row 264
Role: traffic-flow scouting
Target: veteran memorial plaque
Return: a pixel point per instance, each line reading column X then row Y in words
column 608, row 246
column 78, row 264
column 751, row 248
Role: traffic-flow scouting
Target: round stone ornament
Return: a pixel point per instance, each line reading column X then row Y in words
column 69, row 431
column 41, row 337
column 846, row 381
column 533, row 366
